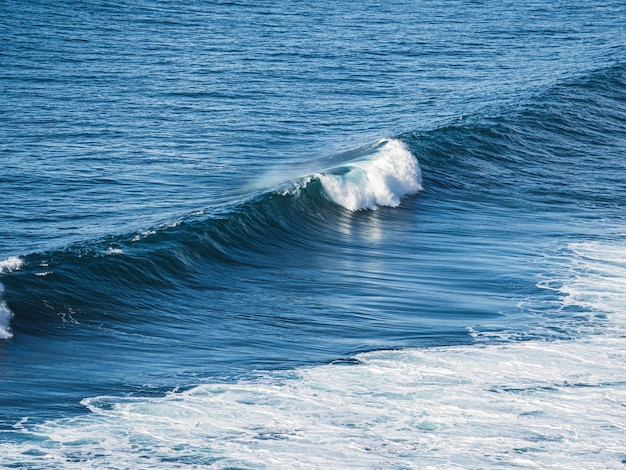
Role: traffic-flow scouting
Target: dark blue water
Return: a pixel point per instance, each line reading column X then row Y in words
column 247, row 235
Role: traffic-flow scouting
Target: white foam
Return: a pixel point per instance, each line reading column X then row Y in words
column 5, row 318
column 142, row 235
column 383, row 179
column 13, row 263
column 528, row 405
column 534, row 404
column 598, row 280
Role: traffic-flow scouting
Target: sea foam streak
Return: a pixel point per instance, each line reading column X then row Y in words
column 533, row 404
column 529, row 405
column 12, row 263
column 389, row 174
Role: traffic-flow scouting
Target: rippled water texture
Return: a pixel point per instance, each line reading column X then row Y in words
column 317, row 235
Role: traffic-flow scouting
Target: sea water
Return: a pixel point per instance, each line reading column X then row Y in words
column 313, row 235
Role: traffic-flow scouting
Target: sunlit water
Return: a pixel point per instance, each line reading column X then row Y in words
column 313, row 235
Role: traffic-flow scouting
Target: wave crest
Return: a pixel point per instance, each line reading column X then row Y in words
column 383, row 179
column 304, row 210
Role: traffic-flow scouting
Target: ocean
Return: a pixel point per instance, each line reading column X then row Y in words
column 365, row 235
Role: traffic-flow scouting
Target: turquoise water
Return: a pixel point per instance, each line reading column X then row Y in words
column 314, row 235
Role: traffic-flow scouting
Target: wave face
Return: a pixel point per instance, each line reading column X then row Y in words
column 253, row 225
column 209, row 257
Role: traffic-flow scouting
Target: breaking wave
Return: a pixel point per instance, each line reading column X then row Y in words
column 382, row 180
column 158, row 258
column 12, row 263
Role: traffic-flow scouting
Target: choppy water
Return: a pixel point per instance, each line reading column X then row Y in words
column 313, row 235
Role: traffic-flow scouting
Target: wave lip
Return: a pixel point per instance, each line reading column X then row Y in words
column 10, row 264
column 383, row 179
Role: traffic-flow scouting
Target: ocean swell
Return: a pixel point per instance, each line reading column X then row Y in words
column 119, row 271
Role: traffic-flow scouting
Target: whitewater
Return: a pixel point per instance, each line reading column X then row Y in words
column 312, row 235
column 549, row 403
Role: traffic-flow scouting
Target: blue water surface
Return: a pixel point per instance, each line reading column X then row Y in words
column 166, row 218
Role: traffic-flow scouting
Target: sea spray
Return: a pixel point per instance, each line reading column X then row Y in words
column 10, row 264
column 5, row 317
column 383, row 179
